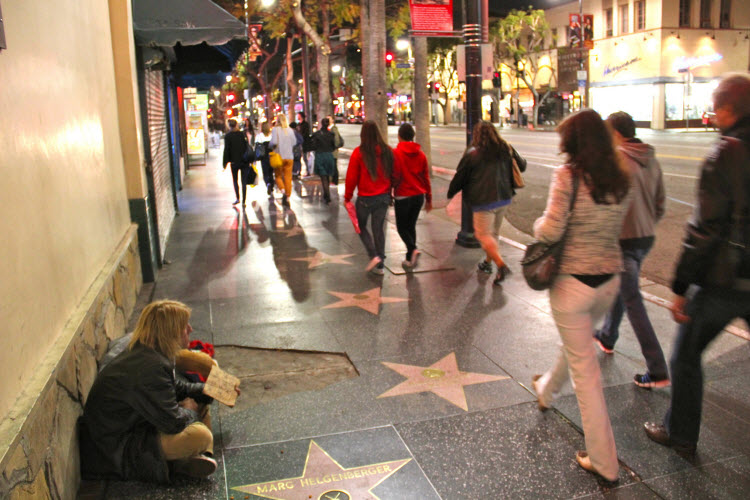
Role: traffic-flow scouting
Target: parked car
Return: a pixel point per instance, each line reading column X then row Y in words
column 356, row 119
column 339, row 118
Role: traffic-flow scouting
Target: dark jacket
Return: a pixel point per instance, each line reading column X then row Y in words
column 708, row 259
column 133, row 399
column 487, row 178
column 324, row 141
column 306, row 133
column 235, row 145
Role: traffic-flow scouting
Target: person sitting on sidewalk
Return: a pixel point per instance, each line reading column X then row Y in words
column 636, row 240
column 140, row 420
column 714, row 264
column 411, row 189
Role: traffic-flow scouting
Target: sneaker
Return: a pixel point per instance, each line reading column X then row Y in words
column 414, row 258
column 485, row 267
column 235, row 202
column 647, row 382
column 406, row 264
column 374, row 262
column 199, row 466
column 604, row 348
column 502, row 273
column 379, row 269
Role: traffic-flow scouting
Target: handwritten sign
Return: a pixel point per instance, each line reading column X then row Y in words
column 220, row 386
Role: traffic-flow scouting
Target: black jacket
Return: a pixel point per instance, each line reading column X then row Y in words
column 708, row 259
column 133, row 399
column 485, row 179
column 235, row 145
column 324, row 141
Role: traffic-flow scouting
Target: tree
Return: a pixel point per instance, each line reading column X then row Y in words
column 442, row 70
column 519, row 44
column 373, row 62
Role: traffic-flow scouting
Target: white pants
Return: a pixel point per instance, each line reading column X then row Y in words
column 576, row 308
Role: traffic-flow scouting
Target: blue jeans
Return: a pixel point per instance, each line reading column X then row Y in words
column 630, row 300
column 710, row 311
column 377, row 207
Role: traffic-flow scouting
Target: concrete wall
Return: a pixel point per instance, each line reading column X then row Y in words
column 63, row 187
column 70, row 270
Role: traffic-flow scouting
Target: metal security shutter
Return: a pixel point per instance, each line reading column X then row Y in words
column 156, row 107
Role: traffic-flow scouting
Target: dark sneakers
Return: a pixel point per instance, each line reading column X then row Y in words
column 648, row 382
column 502, row 273
column 199, row 466
column 604, row 348
column 658, row 433
column 485, row 267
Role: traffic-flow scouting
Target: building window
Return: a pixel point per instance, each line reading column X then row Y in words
column 640, row 15
column 684, row 13
column 724, row 17
column 705, row 13
column 608, row 15
column 624, row 21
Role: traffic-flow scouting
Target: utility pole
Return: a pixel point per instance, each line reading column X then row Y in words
column 472, row 40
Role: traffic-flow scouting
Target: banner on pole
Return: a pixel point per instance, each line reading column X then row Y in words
column 581, row 31
column 253, row 32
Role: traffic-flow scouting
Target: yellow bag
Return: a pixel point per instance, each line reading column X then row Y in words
column 274, row 159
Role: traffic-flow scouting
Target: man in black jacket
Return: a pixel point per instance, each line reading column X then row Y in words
column 235, row 146
column 141, row 421
column 715, row 261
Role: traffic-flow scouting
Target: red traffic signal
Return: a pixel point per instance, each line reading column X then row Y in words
column 388, row 58
column 231, row 97
column 437, row 86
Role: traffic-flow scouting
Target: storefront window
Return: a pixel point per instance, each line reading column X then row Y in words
column 693, row 99
column 637, row 100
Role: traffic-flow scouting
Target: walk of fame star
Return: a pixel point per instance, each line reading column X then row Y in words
column 321, row 258
column 442, row 378
column 292, row 232
column 323, row 478
column 369, row 301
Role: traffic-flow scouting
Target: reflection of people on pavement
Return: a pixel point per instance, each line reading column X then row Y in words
column 288, row 237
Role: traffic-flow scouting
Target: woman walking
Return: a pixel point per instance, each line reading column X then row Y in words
column 324, row 144
column 485, row 176
column 369, row 172
column 262, row 140
column 283, row 141
column 589, row 277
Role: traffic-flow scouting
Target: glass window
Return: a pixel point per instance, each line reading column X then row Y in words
column 637, row 99
column 724, row 17
column 640, row 15
column 608, row 15
column 684, row 13
column 624, row 21
column 705, row 13
column 692, row 100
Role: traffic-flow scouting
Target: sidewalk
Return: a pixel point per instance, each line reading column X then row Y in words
column 440, row 407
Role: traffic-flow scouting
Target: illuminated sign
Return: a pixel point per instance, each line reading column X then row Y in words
column 683, row 63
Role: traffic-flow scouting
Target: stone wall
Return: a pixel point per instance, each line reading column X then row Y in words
column 38, row 442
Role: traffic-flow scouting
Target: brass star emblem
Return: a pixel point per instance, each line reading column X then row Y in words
column 442, row 378
column 322, row 258
column 369, row 301
column 325, row 479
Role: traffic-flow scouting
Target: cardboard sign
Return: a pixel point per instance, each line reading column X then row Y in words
column 220, row 386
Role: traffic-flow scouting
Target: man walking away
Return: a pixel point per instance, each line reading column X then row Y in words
column 636, row 240
column 715, row 260
column 339, row 143
column 235, row 145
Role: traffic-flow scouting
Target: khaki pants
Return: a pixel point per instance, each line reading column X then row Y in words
column 196, row 438
column 487, row 229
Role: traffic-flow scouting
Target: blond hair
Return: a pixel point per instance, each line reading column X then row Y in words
column 160, row 327
column 282, row 121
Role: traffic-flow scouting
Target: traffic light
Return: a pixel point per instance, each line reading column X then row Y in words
column 389, row 59
column 437, row 87
column 230, row 112
column 231, row 97
column 497, row 80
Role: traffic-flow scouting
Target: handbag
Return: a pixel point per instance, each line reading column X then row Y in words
column 274, row 159
column 516, row 170
column 260, row 150
column 249, row 155
column 541, row 261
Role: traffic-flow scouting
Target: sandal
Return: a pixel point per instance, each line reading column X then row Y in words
column 583, row 459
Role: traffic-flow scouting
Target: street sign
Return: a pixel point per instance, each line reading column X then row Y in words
column 581, row 84
column 582, row 74
column 403, row 65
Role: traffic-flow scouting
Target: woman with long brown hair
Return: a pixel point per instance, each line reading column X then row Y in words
column 369, row 172
column 589, row 277
column 484, row 174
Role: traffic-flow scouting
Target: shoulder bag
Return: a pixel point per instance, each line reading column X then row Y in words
column 274, row 159
column 541, row 262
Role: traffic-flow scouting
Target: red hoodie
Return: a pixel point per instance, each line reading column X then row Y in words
column 358, row 177
column 411, row 174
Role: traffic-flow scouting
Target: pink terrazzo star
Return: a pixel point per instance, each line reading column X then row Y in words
column 322, row 258
column 369, row 301
column 324, row 478
column 442, row 378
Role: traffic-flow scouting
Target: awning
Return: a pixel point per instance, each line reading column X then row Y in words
column 164, row 23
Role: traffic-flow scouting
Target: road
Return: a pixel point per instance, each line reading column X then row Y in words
column 679, row 152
